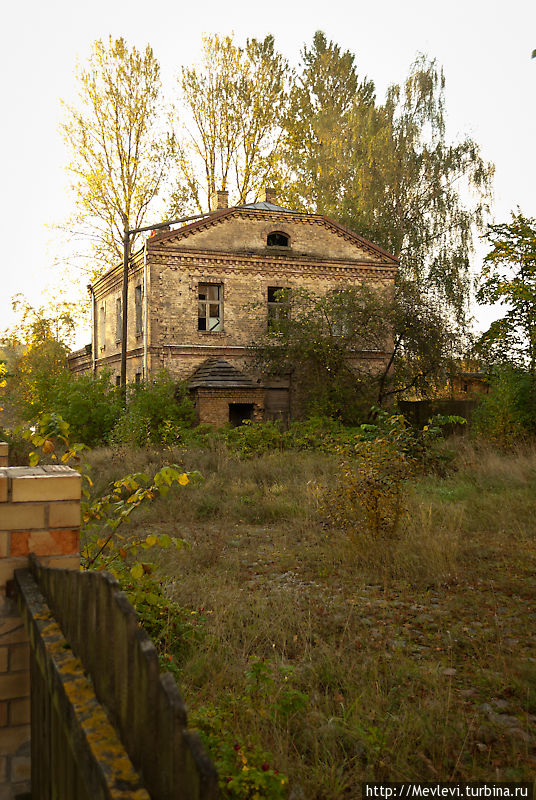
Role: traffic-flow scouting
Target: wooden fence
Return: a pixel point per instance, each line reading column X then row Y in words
column 105, row 722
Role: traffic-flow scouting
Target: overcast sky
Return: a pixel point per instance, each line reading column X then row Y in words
column 483, row 45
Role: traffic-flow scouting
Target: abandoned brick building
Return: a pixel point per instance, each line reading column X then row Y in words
column 200, row 294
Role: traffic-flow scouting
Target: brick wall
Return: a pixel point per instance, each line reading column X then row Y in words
column 212, row 405
column 39, row 513
column 233, row 253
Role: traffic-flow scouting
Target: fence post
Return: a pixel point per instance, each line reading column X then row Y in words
column 40, row 514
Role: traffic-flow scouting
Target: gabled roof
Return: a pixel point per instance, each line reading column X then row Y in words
column 263, row 208
column 216, row 373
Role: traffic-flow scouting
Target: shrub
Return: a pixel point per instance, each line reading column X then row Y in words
column 508, row 413
column 367, row 500
column 90, row 404
column 155, row 413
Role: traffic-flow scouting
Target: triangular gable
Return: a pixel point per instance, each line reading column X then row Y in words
column 204, row 234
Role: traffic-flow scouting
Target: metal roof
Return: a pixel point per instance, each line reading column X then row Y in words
column 264, row 206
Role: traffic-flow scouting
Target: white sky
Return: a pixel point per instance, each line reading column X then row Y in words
column 483, row 45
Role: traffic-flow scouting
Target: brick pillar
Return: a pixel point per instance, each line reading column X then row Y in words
column 39, row 513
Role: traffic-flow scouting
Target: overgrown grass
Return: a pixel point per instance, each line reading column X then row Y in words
column 331, row 661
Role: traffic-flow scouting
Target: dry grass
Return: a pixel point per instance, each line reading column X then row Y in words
column 416, row 657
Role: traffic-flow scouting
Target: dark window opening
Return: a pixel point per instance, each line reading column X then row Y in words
column 210, row 307
column 118, row 380
column 139, row 310
column 238, row 412
column 277, row 239
column 278, row 307
column 118, row 320
column 138, row 377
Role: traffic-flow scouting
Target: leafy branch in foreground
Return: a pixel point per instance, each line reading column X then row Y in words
column 104, row 548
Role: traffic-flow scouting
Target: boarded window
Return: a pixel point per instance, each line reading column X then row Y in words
column 139, row 310
column 118, row 320
column 277, row 239
column 278, row 307
column 210, row 307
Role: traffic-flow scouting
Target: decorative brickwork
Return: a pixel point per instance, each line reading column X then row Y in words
column 231, row 250
column 39, row 513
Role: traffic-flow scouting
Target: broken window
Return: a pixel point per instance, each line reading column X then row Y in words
column 139, row 310
column 118, row 320
column 239, row 413
column 278, row 306
column 210, row 307
column 277, row 239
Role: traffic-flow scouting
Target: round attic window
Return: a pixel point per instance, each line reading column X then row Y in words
column 277, row 239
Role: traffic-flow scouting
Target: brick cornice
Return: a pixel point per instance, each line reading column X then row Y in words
column 299, row 265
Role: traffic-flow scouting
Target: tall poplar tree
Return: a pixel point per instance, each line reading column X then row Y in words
column 231, row 105
column 117, row 144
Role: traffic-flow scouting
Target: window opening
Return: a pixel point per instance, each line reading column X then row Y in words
column 238, row 412
column 277, row 239
column 210, row 307
column 102, row 326
column 138, row 306
column 278, row 307
column 118, row 320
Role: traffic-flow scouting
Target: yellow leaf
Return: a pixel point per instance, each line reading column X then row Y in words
column 136, row 571
column 183, row 479
column 33, row 459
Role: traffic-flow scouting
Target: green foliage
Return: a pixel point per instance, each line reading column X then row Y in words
column 173, row 630
column 117, row 143
column 246, row 770
column 103, row 547
column 235, row 99
column 387, row 170
column 39, row 347
column 51, row 433
column 368, row 499
column 509, row 278
column 155, row 413
column 507, row 415
column 90, row 404
column 319, row 340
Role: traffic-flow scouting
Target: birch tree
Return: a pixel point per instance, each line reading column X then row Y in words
column 388, row 171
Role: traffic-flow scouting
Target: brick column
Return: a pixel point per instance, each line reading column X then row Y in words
column 39, row 513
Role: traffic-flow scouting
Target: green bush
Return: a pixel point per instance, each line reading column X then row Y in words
column 155, row 413
column 89, row 403
column 507, row 414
